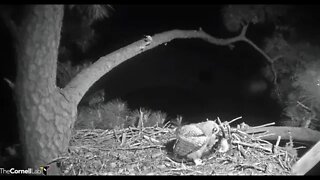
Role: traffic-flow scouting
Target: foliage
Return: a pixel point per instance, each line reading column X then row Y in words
column 92, row 12
column 149, row 118
column 115, row 114
column 295, row 64
column 78, row 32
column 236, row 16
column 298, row 72
column 78, row 36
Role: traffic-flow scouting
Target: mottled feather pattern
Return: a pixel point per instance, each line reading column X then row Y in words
column 183, row 148
column 190, row 131
column 197, row 141
column 194, row 140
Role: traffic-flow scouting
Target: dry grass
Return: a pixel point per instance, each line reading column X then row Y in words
column 148, row 151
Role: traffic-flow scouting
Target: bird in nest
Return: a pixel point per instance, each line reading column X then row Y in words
column 195, row 140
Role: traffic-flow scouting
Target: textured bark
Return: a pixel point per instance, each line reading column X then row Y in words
column 45, row 115
column 297, row 133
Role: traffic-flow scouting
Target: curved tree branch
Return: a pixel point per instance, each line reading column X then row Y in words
column 84, row 80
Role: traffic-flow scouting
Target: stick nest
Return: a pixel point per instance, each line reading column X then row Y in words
column 148, row 151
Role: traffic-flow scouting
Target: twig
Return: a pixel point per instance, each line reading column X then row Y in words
column 115, row 134
column 244, row 31
column 267, row 57
column 239, row 132
column 278, row 141
column 263, row 135
column 160, row 131
column 151, row 139
column 167, row 124
column 275, row 147
column 140, row 148
column 104, row 132
column 172, row 161
column 300, row 147
column 264, row 125
column 252, row 145
column 234, row 120
column 304, row 106
column 236, row 136
column 242, row 151
column 255, row 137
column 245, row 166
column 261, row 140
column 281, row 164
column 140, row 123
column 123, row 140
column 218, row 119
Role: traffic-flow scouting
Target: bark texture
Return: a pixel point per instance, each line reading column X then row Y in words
column 45, row 115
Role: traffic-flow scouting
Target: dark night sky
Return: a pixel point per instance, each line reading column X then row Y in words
column 188, row 77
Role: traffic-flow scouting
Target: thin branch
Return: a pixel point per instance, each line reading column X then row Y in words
column 269, row 59
column 278, row 141
column 141, row 147
column 258, row 49
column 304, row 106
column 233, row 120
column 264, row 125
column 244, row 30
column 252, row 145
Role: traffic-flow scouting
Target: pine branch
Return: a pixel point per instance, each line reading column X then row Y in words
column 83, row 81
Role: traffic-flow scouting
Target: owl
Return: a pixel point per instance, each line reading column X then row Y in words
column 195, row 140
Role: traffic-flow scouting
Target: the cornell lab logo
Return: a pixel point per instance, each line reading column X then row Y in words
column 44, row 169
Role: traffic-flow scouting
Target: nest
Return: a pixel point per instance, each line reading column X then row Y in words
column 147, row 151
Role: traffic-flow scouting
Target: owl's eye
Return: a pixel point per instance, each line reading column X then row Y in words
column 215, row 130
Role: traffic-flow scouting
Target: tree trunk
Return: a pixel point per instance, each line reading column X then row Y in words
column 45, row 115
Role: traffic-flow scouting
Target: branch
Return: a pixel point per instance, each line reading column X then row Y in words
column 307, row 161
column 264, row 54
column 297, row 133
column 85, row 79
column 269, row 59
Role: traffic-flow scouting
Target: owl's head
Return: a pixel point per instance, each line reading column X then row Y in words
column 208, row 127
